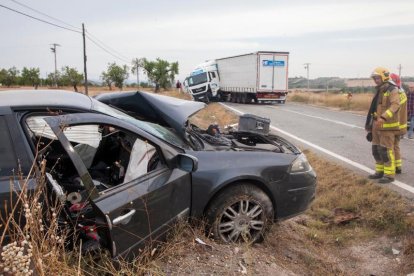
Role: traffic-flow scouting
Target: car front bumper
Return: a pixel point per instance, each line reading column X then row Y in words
column 295, row 194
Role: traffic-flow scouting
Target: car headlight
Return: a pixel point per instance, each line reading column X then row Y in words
column 300, row 164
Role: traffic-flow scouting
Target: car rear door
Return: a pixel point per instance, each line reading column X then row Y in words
column 15, row 165
column 142, row 209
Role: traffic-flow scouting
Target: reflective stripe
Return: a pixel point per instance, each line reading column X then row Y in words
column 389, row 113
column 403, row 126
column 392, row 157
column 386, row 94
column 379, row 167
column 398, row 163
column 391, row 125
column 390, row 170
column 403, row 98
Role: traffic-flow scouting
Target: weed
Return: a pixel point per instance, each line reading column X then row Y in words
column 379, row 209
column 358, row 102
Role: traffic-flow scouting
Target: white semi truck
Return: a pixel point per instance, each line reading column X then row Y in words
column 256, row 77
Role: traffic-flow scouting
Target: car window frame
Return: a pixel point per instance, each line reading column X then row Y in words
column 89, row 118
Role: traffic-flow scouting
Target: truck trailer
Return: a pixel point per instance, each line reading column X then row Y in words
column 256, row 77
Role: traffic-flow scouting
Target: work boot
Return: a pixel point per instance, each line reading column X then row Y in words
column 376, row 175
column 386, row 180
column 398, row 170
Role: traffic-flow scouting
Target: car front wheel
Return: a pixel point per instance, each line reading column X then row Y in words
column 241, row 213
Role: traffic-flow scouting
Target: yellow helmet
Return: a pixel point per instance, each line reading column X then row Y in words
column 382, row 72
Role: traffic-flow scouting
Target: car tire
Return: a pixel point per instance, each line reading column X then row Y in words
column 242, row 213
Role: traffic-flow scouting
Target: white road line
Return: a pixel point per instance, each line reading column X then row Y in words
column 326, row 108
column 334, row 121
column 324, row 119
column 337, row 156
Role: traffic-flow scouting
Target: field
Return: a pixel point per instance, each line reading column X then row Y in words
column 358, row 101
column 354, row 227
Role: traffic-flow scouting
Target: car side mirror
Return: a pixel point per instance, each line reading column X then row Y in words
column 186, row 162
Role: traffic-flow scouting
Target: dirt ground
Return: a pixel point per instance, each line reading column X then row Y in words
column 285, row 251
column 304, row 245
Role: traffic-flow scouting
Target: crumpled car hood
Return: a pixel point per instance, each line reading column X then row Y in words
column 167, row 111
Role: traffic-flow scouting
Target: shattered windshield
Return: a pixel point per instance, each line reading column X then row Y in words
column 154, row 129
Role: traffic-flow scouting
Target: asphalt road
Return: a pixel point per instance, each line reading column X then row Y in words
column 338, row 135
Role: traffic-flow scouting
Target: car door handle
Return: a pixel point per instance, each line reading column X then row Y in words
column 124, row 219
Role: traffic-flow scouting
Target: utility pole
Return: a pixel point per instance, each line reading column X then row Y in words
column 53, row 49
column 399, row 70
column 138, row 63
column 85, row 72
column 307, row 74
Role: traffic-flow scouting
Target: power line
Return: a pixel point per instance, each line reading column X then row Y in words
column 38, row 19
column 106, row 46
column 44, row 14
column 109, row 52
column 100, row 44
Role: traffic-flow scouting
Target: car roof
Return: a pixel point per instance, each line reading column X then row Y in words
column 44, row 98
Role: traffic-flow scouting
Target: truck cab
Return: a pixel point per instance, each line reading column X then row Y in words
column 203, row 82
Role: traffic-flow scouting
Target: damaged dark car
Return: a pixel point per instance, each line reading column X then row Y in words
column 132, row 164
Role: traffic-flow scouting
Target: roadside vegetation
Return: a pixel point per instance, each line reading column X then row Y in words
column 356, row 102
column 160, row 74
column 354, row 227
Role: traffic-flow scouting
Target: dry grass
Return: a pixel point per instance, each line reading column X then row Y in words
column 310, row 244
column 358, row 102
column 379, row 209
column 37, row 247
column 214, row 113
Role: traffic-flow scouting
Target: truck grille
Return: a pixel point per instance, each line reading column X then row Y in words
column 200, row 89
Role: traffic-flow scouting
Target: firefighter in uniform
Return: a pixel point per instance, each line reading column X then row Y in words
column 403, row 122
column 386, row 125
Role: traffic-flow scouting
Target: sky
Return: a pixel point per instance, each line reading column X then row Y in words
column 338, row 38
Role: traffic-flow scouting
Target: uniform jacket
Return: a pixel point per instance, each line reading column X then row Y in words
column 388, row 106
column 403, row 112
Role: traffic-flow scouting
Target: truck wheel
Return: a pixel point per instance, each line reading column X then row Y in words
column 240, row 213
column 243, row 98
column 209, row 96
column 238, row 98
column 219, row 97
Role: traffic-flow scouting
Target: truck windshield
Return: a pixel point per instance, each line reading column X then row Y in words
column 197, row 79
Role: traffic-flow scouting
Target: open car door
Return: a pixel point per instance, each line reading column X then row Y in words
column 136, row 207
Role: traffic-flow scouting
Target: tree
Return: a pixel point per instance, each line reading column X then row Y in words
column 51, row 77
column 11, row 76
column 31, row 76
column 136, row 64
column 3, row 75
column 106, row 79
column 161, row 72
column 115, row 74
column 71, row 76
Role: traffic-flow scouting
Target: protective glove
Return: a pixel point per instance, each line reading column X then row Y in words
column 369, row 137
